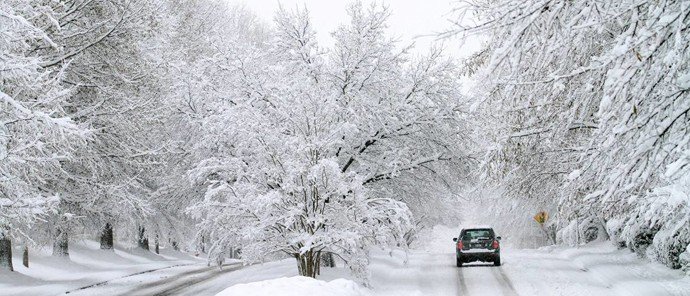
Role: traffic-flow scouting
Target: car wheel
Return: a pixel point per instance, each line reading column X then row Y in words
column 458, row 262
column 497, row 261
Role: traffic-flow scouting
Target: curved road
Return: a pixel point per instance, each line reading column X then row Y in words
column 176, row 280
column 177, row 284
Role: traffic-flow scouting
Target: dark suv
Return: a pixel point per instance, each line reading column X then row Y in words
column 477, row 244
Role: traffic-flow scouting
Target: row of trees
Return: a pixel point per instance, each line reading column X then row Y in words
column 94, row 118
column 589, row 106
column 160, row 119
column 72, row 98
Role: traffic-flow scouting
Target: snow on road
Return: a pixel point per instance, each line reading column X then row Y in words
column 594, row 269
column 429, row 270
column 196, row 279
column 424, row 274
column 167, row 281
column 484, row 279
column 591, row 270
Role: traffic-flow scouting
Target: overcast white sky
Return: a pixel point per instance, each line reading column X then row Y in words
column 410, row 19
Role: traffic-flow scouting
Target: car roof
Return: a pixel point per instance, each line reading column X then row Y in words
column 476, row 227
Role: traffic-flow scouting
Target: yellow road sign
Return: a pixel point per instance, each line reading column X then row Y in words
column 541, row 217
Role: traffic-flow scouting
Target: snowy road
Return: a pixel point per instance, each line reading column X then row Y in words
column 181, row 280
column 594, row 270
column 484, row 280
column 179, row 283
column 597, row 269
column 436, row 274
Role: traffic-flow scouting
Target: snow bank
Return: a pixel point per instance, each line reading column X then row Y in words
column 594, row 269
column 297, row 286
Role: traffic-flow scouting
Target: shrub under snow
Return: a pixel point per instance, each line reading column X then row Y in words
column 583, row 231
column 658, row 226
column 568, row 235
column 661, row 227
column 685, row 259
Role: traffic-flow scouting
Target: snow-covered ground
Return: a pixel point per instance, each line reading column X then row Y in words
column 594, row 269
column 297, row 286
column 88, row 265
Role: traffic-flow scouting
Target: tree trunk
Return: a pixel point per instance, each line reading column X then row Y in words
column 107, row 237
column 328, row 260
column 61, row 243
column 157, row 248
column 175, row 246
column 25, row 257
column 308, row 263
column 316, row 261
column 237, row 253
column 202, row 245
column 143, row 240
column 5, row 253
column 602, row 234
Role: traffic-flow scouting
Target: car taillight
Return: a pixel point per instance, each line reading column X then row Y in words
column 459, row 245
column 495, row 244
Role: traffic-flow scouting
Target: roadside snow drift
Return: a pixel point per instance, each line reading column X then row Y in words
column 297, row 286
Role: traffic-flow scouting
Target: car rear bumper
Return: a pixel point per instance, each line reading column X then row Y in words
column 476, row 255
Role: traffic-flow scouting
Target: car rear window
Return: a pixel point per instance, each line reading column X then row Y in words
column 470, row 234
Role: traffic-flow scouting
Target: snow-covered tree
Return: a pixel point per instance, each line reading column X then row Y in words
column 196, row 78
column 116, row 95
column 36, row 133
column 72, row 68
column 591, row 103
column 292, row 159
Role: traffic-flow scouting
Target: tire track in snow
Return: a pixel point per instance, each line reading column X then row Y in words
column 501, row 281
column 462, row 287
column 102, row 283
column 506, row 285
column 175, row 289
column 176, row 283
